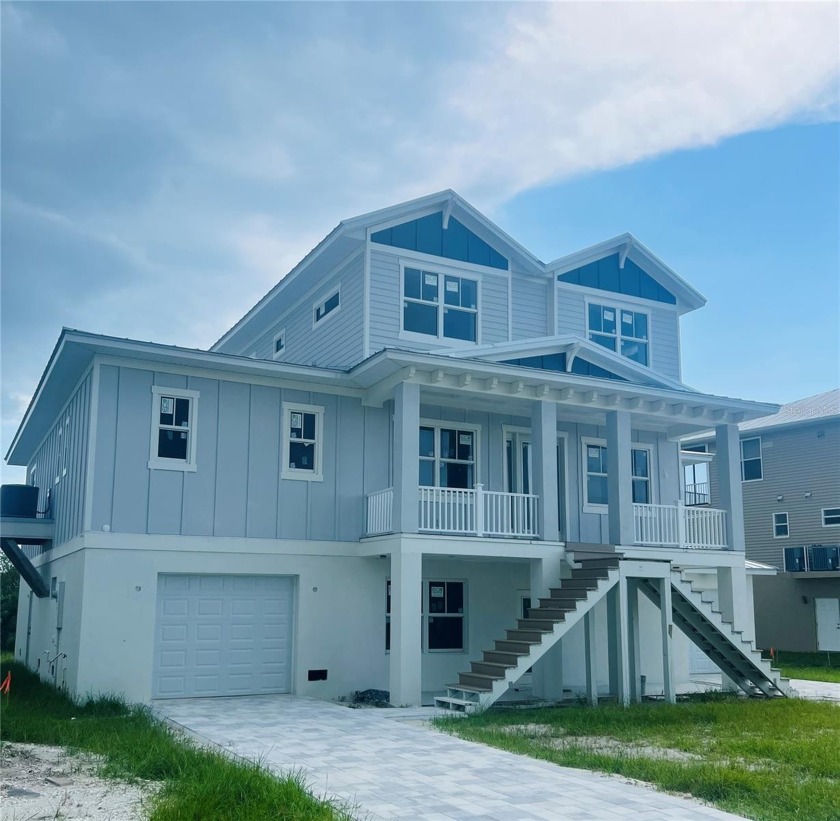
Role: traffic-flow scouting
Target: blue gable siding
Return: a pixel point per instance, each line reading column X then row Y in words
column 631, row 280
column 557, row 362
column 428, row 235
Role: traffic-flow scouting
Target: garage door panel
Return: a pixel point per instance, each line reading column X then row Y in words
column 222, row 635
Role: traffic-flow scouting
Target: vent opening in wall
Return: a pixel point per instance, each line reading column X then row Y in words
column 317, row 675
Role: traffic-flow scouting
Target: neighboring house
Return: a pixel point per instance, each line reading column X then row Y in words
column 790, row 470
column 425, row 458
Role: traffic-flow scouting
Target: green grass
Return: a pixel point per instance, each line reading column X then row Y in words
column 198, row 784
column 823, row 666
column 774, row 760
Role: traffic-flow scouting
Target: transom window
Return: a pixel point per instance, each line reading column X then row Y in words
column 424, row 312
column 173, row 429
column 751, row 468
column 303, row 442
column 781, row 526
column 596, row 488
column 447, row 457
column 831, row 517
column 620, row 330
column 329, row 306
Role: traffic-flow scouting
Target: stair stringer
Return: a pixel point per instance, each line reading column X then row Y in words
column 706, row 628
column 549, row 639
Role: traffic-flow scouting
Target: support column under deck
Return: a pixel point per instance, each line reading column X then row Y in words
column 406, row 656
column 667, row 624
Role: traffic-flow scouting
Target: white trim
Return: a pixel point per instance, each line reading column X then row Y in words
column 776, row 524
column 629, row 299
column 415, row 336
column 760, row 458
column 510, row 309
column 586, row 507
column 318, row 322
column 617, row 307
column 161, row 463
column 366, row 293
column 438, row 425
column 455, row 266
column 281, row 335
column 651, row 472
column 822, row 516
column 316, row 475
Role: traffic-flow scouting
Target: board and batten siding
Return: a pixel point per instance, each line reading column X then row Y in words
column 236, row 489
column 664, row 326
column 794, row 462
column 386, row 308
column 336, row 341
column 60, row 464
column 530, row 299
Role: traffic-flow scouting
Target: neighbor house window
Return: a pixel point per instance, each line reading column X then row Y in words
column 620, row 330
column 174, row 413
column 329, row 306
column 447, row 456
column 303, row 446
column 279, row 344
column 454, row 316
column 831, row 517
column 751, row 469
column 596, row 491
column 445, row 620
column 781, row 526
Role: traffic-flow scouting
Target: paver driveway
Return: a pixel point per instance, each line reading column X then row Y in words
column 389, row 768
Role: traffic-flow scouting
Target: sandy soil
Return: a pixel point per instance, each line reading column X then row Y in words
column 28, row 794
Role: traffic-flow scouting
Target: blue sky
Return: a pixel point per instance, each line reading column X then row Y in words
column 163, row 165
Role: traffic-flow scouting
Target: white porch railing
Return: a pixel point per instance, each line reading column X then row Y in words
column 379, row 507
column 509, row 514
column 697, row 494
column 693, row 528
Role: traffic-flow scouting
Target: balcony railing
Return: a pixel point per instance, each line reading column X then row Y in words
column 679, row 526
column 697, row 494
column 460, row 511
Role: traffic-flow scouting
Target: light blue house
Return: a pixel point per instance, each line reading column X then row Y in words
column 424, row 462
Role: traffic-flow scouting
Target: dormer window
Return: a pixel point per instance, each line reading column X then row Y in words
column 620, row 330
column 455, row 316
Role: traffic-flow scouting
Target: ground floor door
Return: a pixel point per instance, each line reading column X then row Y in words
column 222, row 635
column 699, row 663
column 828, row 624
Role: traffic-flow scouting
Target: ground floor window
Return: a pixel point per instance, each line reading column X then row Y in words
column 442, row 616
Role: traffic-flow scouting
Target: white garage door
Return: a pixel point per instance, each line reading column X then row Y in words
column 222, row 635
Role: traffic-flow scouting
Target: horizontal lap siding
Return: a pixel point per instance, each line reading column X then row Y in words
column 494, row 309
column 236, row 489
column 61, row 465
column 530, row 307
column 571, row 313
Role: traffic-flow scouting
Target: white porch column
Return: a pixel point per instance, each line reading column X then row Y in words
column 406, row 657
column 728, row 458
column 667, row 624
column 634, row 640
column 406, row 456
column 618, row 641
column 619, row 478
column 544, row 448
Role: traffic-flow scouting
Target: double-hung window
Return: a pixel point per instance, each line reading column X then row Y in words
column 640, row 467
column 621, row 330
column 445, row 621
column 303, row 434
column 831, row 517
column 447, row 456
column 174, row 414
column 440, row 305
column 596, row 488
column 781, row 526
column 751, row 468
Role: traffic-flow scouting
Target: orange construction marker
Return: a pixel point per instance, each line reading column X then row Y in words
column 7, row 683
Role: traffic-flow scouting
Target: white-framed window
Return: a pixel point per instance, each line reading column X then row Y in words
column 440, row 305
column 831, row 517
column 442, row 616
column 173, row 438
column 781, row 526
column 595, row 486
column 448, row 454
column 278, row 345
column 303, row 442
column 751, row 467
column 326, row 307
column 620, row 329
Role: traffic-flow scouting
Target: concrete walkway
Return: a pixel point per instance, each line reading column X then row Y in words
column 387, row 764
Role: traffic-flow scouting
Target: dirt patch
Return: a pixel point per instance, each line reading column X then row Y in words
column 39, row 782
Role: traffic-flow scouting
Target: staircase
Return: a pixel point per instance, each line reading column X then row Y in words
column 736, row 656
column 592, row 577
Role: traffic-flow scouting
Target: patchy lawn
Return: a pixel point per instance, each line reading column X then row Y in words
column 775, row 760
column 198, row 784
column 823, row 666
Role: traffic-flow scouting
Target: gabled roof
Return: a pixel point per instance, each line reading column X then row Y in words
column 822, row 407
column 628, row 247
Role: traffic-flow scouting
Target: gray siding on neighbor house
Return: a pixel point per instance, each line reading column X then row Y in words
column 664, row 326
column 60, row 465
column 385, row 306
column 531, row 297
column 795, row 461
column 336, row 341
column 236, row 489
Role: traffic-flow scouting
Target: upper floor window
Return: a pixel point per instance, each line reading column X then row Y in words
column 781, row 526
column 279, row 344
column 303, row 442
column 620, row 330
column 329, row 306
column 455, row 316
column 596, row 485
column 447, row 456
column 831, row 516
column 751, row 469
column 174, row 413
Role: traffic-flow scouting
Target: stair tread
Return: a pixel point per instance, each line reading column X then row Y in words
column 467, row 688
